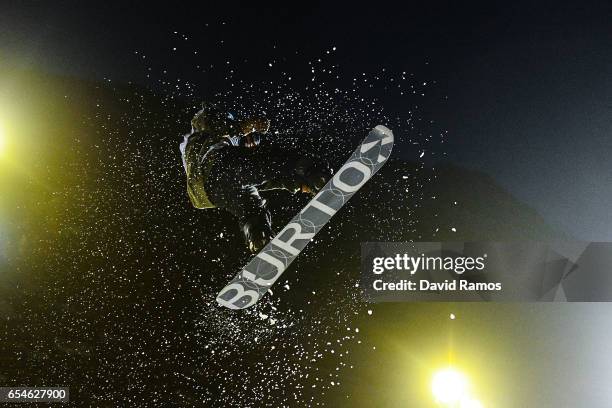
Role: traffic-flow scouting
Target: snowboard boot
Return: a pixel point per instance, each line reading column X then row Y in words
column 312, row 178
column 257, row 228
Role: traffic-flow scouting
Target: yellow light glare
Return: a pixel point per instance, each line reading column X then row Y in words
column 2, row 139
column 471, row 403
column 449, row 387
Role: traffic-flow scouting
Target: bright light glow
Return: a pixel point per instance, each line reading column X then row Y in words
column 2, row 139
column 449, row 387
column 471, row 403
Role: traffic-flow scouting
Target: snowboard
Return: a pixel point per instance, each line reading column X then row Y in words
column 256, row 278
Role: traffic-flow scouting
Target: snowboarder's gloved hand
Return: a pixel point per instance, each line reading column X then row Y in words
column 252, row 130
column 251, row 140
column 254, row 125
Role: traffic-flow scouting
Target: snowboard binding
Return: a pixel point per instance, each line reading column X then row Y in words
column 312, row 178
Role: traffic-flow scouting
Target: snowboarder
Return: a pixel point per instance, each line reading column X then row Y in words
column 229, row 161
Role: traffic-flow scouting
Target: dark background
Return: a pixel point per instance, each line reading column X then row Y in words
column 528, row 82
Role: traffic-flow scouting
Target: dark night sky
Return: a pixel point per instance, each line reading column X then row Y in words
column 529, row 85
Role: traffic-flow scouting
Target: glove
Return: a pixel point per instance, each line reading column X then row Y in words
column 254, row 124
column 251, row 140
